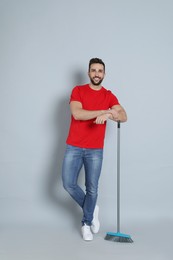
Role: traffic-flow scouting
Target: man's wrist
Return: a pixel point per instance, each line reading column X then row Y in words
column 103, row 112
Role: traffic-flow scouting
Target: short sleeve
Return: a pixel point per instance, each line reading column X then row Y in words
column 113, row 100
column 75, row 94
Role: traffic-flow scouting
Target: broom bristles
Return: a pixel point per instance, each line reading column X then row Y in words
column 118, row 237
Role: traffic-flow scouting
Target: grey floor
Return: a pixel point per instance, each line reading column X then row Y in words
column 152, row 240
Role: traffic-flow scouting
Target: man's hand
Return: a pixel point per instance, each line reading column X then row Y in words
column 102, row 119
column 112, row 114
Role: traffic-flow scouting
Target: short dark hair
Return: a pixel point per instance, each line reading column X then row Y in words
column 96, row 60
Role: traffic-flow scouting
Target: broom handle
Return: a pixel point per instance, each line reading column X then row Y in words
column 118, row 176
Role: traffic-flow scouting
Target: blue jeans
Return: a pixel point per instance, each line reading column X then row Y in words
column 74, row 159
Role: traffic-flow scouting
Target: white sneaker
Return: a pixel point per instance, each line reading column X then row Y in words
column 95, row 226
column 86, row 233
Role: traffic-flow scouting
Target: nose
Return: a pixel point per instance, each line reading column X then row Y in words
column 97, row 73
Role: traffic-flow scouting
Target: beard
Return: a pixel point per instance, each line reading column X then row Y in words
column 96, row 83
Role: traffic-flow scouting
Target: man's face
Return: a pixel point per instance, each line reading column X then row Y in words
column 96, row 73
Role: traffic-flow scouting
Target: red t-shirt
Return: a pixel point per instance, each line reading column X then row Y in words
column 87, row 134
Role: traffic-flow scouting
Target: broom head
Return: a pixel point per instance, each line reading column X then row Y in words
column 118, row 237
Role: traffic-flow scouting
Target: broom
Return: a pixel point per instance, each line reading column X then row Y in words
column 118, row 236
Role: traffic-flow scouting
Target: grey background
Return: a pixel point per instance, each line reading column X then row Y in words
column 45, row 49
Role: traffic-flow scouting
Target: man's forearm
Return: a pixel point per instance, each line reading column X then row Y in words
column 82, row 114
column 121, row 116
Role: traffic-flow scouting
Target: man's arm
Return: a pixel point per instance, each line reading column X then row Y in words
column 81, row 114
column 117, row 114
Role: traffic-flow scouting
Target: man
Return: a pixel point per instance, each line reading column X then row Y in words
column 91, row 106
